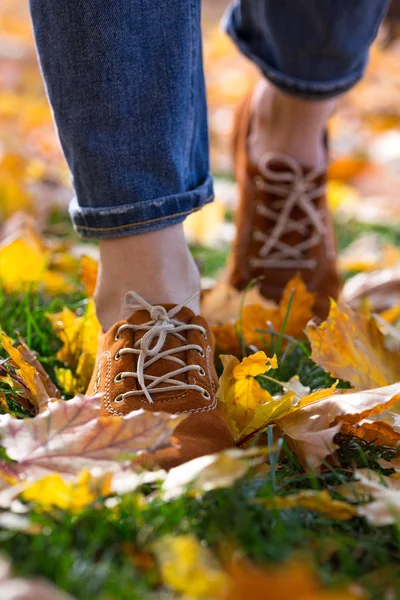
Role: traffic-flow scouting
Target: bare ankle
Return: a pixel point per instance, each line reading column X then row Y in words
column 158, row 265
column 293, row 126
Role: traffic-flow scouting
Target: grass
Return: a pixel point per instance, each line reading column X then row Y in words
column 93, row 555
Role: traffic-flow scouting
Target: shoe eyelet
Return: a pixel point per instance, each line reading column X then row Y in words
column 204, row 334
column 206, row 395
column 202, row 353
column 202, row 372
column 117, row 356
column 116, row 337
column 118, row 378
column 118, row 399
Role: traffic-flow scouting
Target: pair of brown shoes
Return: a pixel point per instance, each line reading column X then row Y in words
column 162, row 357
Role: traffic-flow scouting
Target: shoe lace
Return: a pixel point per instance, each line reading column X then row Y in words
column 296, row 189
column 149, row 349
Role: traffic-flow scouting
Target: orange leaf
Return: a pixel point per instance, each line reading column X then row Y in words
column 295, row 579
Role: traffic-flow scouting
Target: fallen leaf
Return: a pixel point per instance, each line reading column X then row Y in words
column 188, row 567
column 310, row 430
column 24, row 262
column 55, row 491
column 209, row 472
column 380, row 288
column 88, row 273
column 385, row 491
column 239, row 392
column 294, row 579
column 79, row 335
column 256, row 317
column 35, row 381
column 203, row 227
column 71, row 436
column 351, row 346
column 226, row 339
column 223, row 304
column 317, row 501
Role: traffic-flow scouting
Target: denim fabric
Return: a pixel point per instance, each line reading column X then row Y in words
column 312, row 49
column 125, row 81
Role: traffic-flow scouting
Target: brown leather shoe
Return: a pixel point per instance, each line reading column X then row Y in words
column 283, row 223
column 162, row 359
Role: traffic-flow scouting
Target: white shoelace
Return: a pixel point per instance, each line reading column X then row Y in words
column 295, row 189
column 149, row 350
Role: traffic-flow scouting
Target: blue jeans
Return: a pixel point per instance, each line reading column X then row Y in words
column 125, row 81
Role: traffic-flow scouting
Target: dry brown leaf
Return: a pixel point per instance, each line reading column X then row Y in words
column 385, row 492
column 311, row 430
column 351, row 346
column 380, row 288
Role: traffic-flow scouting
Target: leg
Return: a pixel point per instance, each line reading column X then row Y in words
column 127, row 92
column 310, row 52
column 126, row 85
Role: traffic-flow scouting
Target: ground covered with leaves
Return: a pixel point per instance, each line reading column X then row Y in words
column 308, row 504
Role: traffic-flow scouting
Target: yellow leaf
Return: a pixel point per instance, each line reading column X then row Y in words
column 38, row 396
column 189, row 568
column 55, row 491
column 79, row 335
column 317, row 501
column 351, row 346
column 239, row 393
column 275, row 409
column 24, row 262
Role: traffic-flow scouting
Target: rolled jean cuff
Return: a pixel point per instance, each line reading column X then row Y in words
column 139, row 217
column 293, row 86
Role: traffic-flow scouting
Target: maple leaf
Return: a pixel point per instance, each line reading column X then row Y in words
column 311, row 428
column 222, row 305
column 79, row 335
column 351, row 346
column 37, row 384
column 294, row 579
column 317, row 501
column 256, row 317
column 189, row 568
column 70, row 436
column 239, row 392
